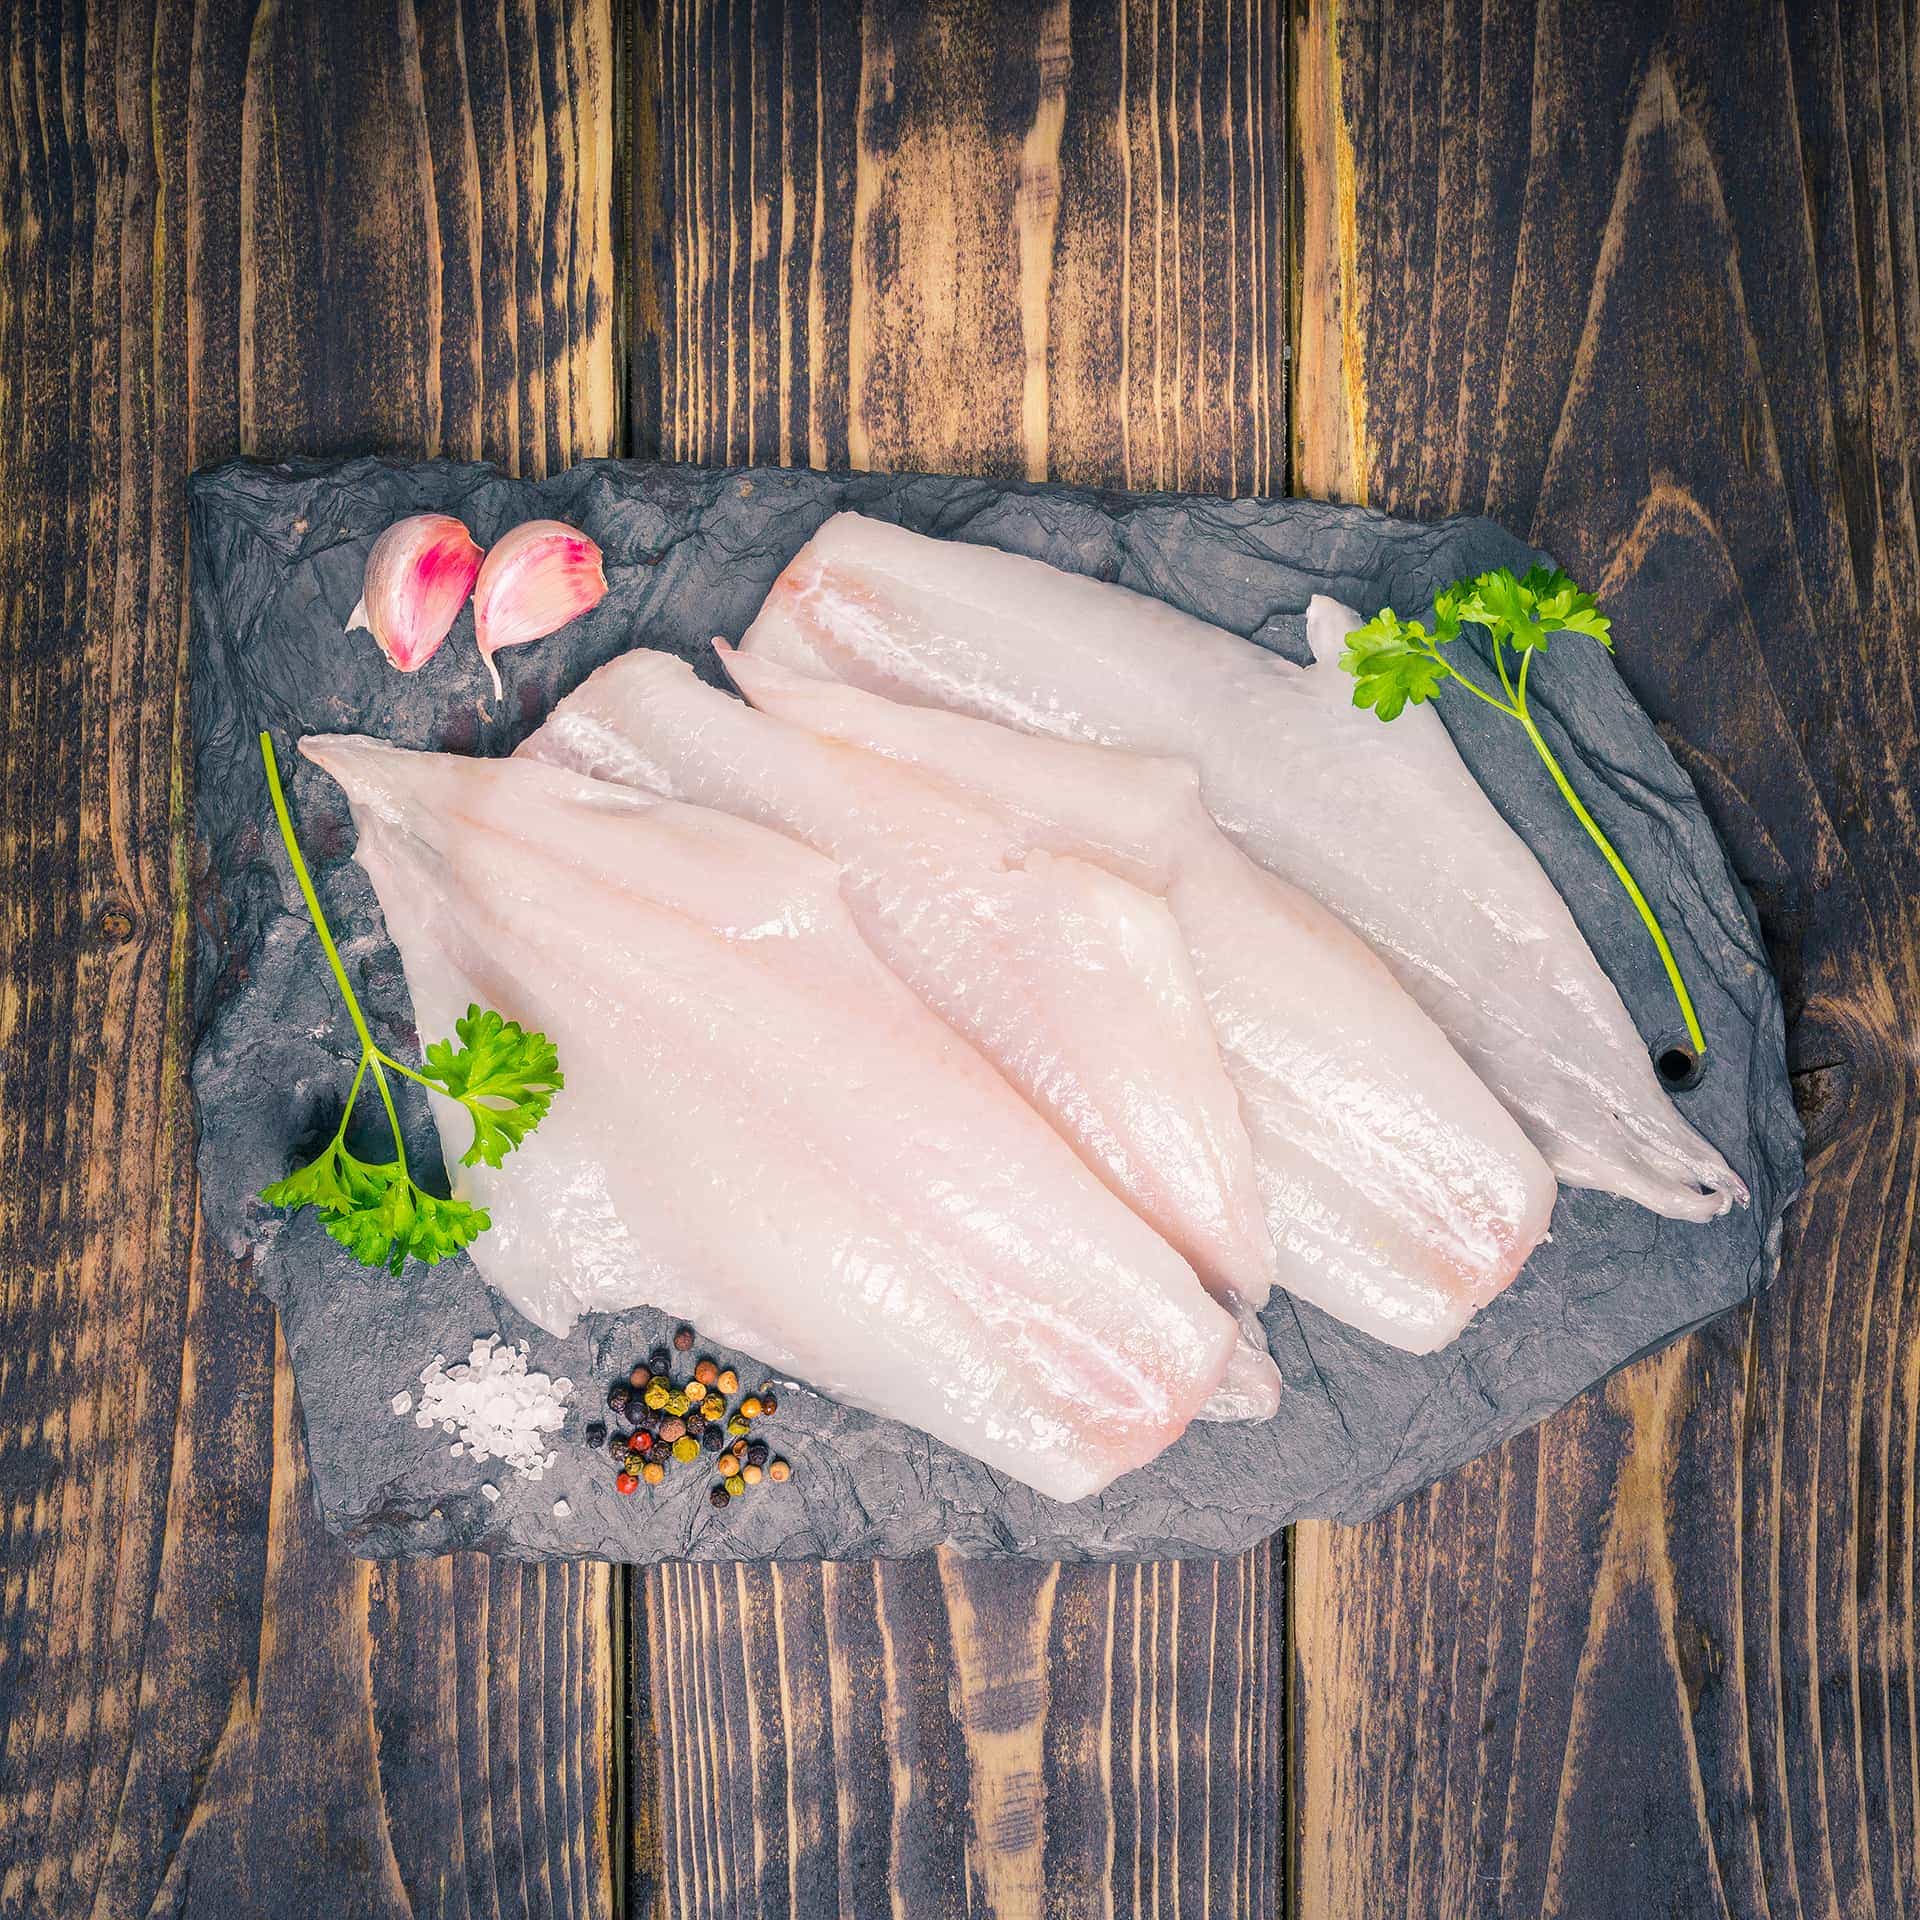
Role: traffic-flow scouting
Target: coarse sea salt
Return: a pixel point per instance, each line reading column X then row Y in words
column 495, row 1406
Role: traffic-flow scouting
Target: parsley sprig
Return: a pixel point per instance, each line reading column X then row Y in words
column 504, row 1076
column 1395, row 662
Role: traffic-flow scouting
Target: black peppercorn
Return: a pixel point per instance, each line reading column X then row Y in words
column 695, row 1423
column 618, row 1395
column 596, row 1433
column 719, row 1496
column 658, row 1361
column 758, row 1453
column 619, row 1445
column 711, row 1437
column 683, row 1339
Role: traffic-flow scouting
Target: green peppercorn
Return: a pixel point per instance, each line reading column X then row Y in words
column 734, row 1484
column 712, row 1407
column 686, row 1449
column 676, row 1402
column 737, row 1427
column 656, row 1395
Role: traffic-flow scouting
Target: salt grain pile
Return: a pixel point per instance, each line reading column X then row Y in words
column 492, row 1405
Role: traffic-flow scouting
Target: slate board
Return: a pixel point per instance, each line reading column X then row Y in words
column 278, row 553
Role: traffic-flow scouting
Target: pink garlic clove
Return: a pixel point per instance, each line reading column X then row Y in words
column 536, row 579
column 418, row 577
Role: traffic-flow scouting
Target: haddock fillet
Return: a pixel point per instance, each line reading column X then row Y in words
column 762, row 1130
column 1384, row 825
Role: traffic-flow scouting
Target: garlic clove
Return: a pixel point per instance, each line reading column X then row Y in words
column 532, row 582
column 418, row 577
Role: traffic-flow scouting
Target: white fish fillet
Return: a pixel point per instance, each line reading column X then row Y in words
column 763, row 1131
column 1401, row 1194
column 1074, row 982
column 1312, row 787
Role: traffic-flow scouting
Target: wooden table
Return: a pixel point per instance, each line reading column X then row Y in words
column 1641, row 282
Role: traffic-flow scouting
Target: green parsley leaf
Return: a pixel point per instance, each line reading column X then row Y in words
column 1393, row 661
column 1397, row 662
column 503, row 1075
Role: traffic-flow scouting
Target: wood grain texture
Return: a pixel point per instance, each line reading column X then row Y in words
column 974, row 237
column 1642, row 284
column 226, row 226
column 933, row 1737
column 977, row 237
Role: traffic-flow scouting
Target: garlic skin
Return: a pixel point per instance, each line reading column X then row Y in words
column 418, row 577
column 532, row 582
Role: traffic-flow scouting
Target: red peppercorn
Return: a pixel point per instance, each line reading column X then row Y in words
column 626, row 1483
column 641, row 1443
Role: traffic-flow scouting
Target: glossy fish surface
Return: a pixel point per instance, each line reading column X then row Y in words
column 1313, row 788
column 763, row 1131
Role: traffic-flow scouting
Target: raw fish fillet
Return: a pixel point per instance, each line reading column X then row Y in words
column 1074, row 982
column 1400, row 1193
column 763, row 1131
column 1315, row 789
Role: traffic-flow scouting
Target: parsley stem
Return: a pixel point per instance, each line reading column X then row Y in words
column 1479, row 693
column 1613, row 860
column 369, row 1053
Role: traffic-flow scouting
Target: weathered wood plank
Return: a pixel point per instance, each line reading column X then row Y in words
column 977, row 237
column 1006, row 240
column 1642, row 285
column 229, row 227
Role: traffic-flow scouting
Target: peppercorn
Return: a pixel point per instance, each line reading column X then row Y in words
column 705, row 1371
column 640, row 1442
column 713, row 1407
column 618, row 1395
column 726, row 1464
column 672, row 1428
column 734, row 1484
column 658, row 1361
column 711, row 1437
column 653, row 1473
column 619, row 1444
column 626, row 1483
column 596, row 1434
column 719, row 1496
column 676, row 1402
column 656, row 1395
column 750, row 1474
column 768, row 1404
column 752, row 1408
column 644, row 1418
column 737, row 1427
column 727, row 1380
column 777, row 1469
column 639, row 1376
column 758, row 1452
column 633, row 1462
column 686, row 1448
column 683, row 1339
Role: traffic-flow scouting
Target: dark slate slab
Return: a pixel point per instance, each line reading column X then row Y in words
column 278, row 553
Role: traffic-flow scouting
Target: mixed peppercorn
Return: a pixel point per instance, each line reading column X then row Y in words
column 670, row 1420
